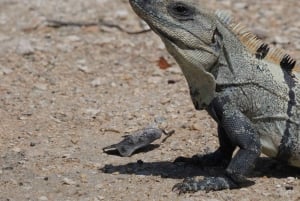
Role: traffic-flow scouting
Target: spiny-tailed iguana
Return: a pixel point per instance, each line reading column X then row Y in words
column 249, row 88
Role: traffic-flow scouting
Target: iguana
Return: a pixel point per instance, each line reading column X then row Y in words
column 250, row 89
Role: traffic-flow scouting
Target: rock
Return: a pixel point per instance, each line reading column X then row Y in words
column 40, row 86
column 154, row 80
column 260, row 33
column 24, row 47
column 17, row 149
column 165, row 100
column 84, row 69
column 281, row 40
column 73, row 38
column 83, row 178
column 68, row 181
column 121, row 14
column 196, row 127
column 5, row 70
column 99, row 81
column 43, row 198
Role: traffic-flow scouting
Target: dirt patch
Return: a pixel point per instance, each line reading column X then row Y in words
column 68, row 92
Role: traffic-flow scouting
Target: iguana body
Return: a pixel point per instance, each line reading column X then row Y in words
column 250, row 89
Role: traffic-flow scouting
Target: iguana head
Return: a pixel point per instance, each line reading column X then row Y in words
column 188, row 31
column 190, row 35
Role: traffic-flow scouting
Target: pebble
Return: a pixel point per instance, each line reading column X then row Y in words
column 68, row 181
column 84, row 69
column 5, row 70
column 174, row 70
column 297, row 45
column 196, row 127
column 121, row 14
column 281, row 40
column 83, row 178
column 165, row 100
column 260, row 33
column 73, row 38
column 154, row 80
column 99, row 186
column 43, row 198
column 290, row 180
column 98, row 81
column 24, row 47
column 17, row 149
column 41, row 86
column 100, row 198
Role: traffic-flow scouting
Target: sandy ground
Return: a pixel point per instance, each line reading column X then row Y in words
column 68, row 92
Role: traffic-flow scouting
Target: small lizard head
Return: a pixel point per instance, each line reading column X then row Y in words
column 189, row 32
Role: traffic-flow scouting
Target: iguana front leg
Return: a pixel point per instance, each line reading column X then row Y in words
column 220, row 158
column 239, row 132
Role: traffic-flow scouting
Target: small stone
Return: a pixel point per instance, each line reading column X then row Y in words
column 83, row 178
column 68, row 181
column 98, row 81
column 5, row 70
column 92, row 111
column 75, row 140
column 41, row 86
column 165, row 100
column 32, row 144
column 17, row 149
column 99, row 186
column 290, row 180
column 24, row 47
column 196, row 127
column 240, row 5
column 174, row 70
column 297, row 45
column 260, row 33
column 100, row 197
column 73, row 38
column 84, row 69
column 281, row 40
column 43, row 198
column 121, row 14
column 154, row 80
column 113, row 84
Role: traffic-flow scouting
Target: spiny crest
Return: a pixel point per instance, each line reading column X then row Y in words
column 256, row 46
column 224, row 16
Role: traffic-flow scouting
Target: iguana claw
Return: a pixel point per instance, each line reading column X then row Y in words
column 207, row 184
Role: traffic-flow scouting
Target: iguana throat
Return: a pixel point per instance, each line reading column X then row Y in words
column 195, row 50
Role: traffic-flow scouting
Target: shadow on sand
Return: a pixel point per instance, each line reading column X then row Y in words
column 264, row 167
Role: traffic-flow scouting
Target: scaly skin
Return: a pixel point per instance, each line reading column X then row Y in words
column 249, row 88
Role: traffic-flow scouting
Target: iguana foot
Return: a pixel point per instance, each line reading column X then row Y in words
column 216, row 159
column 207, row 184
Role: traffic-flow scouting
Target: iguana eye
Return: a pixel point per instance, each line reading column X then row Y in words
column 181, row 11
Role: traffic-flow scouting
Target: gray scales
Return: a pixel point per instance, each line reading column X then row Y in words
column 250, row 89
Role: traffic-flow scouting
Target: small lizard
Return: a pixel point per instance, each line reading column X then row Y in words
column 250, row 89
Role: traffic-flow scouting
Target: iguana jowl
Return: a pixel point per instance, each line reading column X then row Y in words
column 250, row 89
